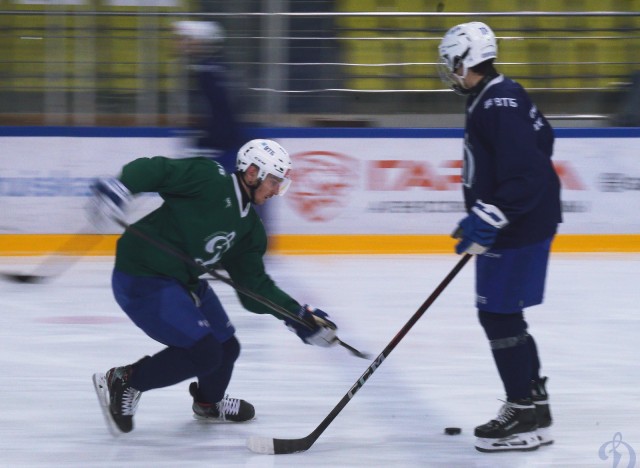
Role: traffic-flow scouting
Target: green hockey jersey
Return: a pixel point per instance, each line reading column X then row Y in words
column 203, row 216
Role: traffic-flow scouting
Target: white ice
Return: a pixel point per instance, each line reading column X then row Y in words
column 55, row 335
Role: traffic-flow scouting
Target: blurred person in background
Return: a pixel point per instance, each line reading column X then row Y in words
column 512, row 196
column 213, row 127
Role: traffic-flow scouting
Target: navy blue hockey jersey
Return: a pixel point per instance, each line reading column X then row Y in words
column 214, row 129
column 508, row 145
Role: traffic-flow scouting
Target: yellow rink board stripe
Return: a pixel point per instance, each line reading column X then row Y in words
column 96, row 244
column 421, row 244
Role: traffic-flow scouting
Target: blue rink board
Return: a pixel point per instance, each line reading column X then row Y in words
column 298, row 132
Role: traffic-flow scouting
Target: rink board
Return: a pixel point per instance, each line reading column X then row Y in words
column 42, row 244
column 355, row 190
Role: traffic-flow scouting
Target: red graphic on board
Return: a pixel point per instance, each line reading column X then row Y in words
column 322, row 183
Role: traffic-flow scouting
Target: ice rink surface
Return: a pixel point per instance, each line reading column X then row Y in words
column 55, row 335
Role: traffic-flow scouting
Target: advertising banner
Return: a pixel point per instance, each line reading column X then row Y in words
column 343, row 182
column 44, row 181
column 412, row 186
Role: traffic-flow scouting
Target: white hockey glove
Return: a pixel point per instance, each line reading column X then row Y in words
column 478, row 231
column 108, row 204
column 320, row 332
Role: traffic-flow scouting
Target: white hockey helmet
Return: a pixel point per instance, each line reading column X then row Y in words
column 269, row 157
column 205, row 31
column 466, row 45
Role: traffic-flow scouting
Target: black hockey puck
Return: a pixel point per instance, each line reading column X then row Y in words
column 452, row 430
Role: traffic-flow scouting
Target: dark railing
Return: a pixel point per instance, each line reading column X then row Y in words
column 78, row 64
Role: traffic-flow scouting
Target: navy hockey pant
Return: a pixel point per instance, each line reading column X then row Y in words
column 195, row 328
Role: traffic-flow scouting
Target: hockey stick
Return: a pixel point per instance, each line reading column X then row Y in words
column 59, row 261
column 270, row 446
column 247, row 292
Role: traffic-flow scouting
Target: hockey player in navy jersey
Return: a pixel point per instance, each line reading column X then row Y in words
column 207, row 215
column 213, row 129
column 512, row 196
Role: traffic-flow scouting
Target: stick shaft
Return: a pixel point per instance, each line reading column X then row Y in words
column 61, row 259
column 282, row 446
column 242, row 290
column 210, row 271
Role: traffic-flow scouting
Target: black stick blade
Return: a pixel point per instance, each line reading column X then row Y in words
column 282, row 446
column 269, row 446
column 20, row 278
column 353, row 350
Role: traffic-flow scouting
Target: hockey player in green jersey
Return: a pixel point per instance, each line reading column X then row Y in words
column 207, row 215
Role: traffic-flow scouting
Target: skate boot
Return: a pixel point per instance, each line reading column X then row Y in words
column 514, row 429
column 226, row 410
column 543, row 413
column 118, row 400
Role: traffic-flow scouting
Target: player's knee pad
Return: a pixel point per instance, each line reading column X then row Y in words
column 231, row 349
column 504, row 330
column 206, row 354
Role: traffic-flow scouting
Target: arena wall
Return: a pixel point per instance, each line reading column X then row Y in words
column 360, row 191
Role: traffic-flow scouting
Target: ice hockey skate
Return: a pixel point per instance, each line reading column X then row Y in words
column 514, row 429
column 226, row 410
column 118, row 400
column 543, row 412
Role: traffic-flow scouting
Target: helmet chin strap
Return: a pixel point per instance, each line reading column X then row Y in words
column 252, row 188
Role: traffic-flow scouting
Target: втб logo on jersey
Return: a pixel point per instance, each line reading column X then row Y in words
column 500, row 102
column 217, row 245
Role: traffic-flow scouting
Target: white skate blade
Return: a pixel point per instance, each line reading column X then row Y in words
column 100, row 385
column 263, row 445
column 523, row 442
column 207, row 420
column 544, row 436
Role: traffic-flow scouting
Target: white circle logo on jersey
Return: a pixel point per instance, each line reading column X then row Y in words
column 323, row 182
column 218, row 244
